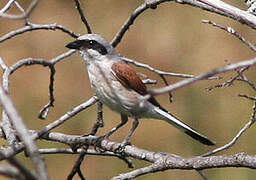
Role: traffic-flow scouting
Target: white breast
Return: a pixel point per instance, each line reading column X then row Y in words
column 111, row 92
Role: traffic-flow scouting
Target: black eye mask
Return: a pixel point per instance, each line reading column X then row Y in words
column 87, row 44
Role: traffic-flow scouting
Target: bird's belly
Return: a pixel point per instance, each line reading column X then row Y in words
column 113, row 94
column 121, row 100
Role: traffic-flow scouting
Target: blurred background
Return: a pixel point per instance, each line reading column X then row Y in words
column 171, row 38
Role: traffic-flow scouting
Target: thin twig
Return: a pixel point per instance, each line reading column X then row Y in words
column 44, row 112
column 234, row 140
column 23, row 170
column 99, row 121
column 166, row 83
column 248, row 97
column 23, row 15
column 131, row 19
column 76, row 168
column 19, row 6
column 224, row 9
column 159, row 72
column 186, row 82
column 137, row 172
column 66, row 116
column 3, row 65
column 6, row 7
column 18, row 147
column 233, row 32
column 88, row 152
column 202, row 174
column 250, row 83
column 33, row 27
column 230, row 81
column 81, row 13
column 10, row 172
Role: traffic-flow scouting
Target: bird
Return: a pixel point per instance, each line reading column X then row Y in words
column 120, row 88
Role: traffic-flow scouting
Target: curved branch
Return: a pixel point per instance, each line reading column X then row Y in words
column 132, row 18
column 186, row 82
column 33, row 27
column 224, row 9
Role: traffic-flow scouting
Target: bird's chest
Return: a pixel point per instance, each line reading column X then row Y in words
column 99, row 75
column 110, row 91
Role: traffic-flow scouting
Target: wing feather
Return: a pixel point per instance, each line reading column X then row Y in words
column 129, row 79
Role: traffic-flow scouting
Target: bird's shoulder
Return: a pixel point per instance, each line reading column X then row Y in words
column 128, row 77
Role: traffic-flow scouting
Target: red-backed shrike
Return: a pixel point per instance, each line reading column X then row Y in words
column 119, row 87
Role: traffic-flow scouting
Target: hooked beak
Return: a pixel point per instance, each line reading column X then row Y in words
column 77, row 44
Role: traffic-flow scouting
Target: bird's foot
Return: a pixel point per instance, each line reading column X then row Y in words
column 98, row 143
column 121, row 148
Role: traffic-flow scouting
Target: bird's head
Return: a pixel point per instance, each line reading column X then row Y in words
column 92, row 47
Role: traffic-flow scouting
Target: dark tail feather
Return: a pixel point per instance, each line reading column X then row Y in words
column 200, row 138
column 183, row 127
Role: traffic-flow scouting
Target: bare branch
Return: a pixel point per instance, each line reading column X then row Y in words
column 76, row 168
column 230, row 81
column 233, row 141
column 62, row 56
column 81, row 13
column 23, row 15
column 216, row 6
column 224, row 9
column 18, row 147
column 159, row 161
column 88, row 152
column 31, row 61
column 23, row 170
column 99, row 121
column 23, row 134
column 166, row 83
column 186, row 82
column 6, row 7
column 19, row 6
column 246, row 96
column 44, row 112
column 132, row 18
column 202, row 174
column 163, row 160
column 11, row 172
column 66, row 116
column 159, row 72
column 250, row 83
column 137, row 172
column 33, row 27
column 149, row 81
column 3, row 65
column 233, row 32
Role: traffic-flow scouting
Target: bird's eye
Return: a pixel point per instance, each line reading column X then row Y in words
column 91, row 42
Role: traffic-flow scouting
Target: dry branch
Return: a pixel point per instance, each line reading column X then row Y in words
column 23, row 134
column 13, row 125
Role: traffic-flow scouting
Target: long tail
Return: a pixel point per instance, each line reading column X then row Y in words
column 183, row 127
